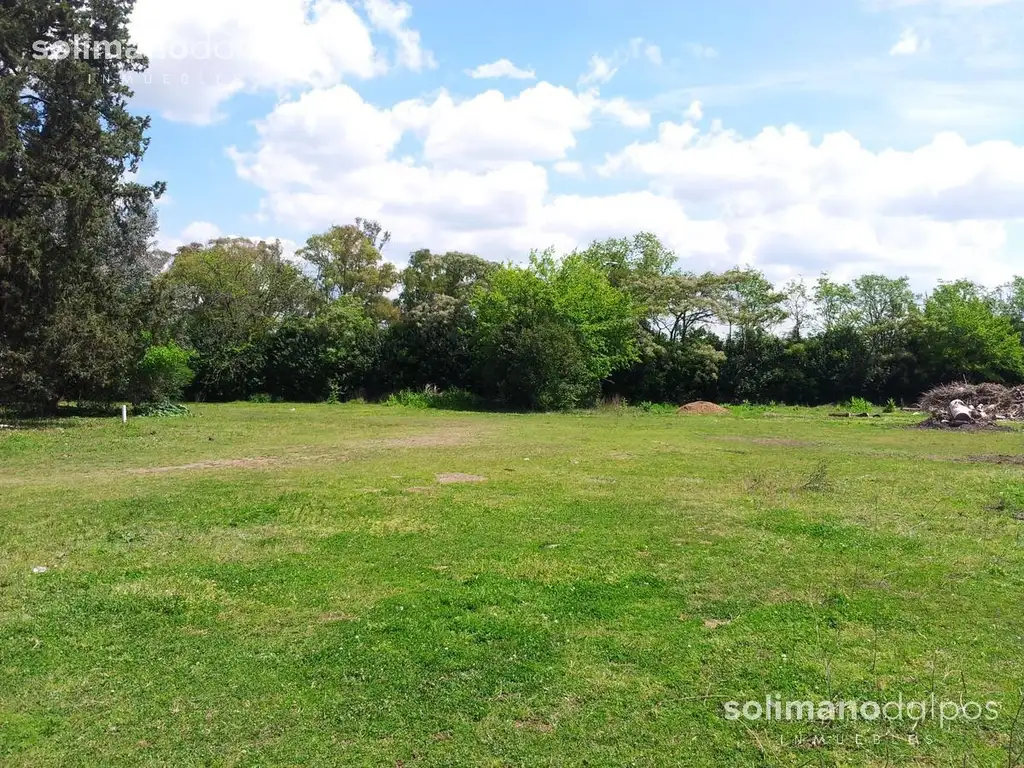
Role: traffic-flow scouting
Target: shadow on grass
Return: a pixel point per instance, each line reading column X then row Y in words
column 17, row 417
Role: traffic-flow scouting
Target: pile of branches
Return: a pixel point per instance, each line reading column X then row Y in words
column 963, row 404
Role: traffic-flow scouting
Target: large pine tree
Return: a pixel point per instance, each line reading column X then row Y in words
column 73, row 226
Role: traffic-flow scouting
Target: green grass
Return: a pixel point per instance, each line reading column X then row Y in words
column 267, row 584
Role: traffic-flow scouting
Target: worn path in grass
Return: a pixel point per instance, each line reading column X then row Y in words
column 361, row 585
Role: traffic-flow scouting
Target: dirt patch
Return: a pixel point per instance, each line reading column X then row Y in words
column 458, row 477
column 250, row 463
column 702, row 406
column 994, row 459
column 447, row 439
column 716, row 623
column 535, row 724
column 620, row 455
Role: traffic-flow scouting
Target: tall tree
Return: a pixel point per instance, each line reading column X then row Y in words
column 223, row 299
column 964, row 336
column 348, row 262
column 753, row 304
column 68, row 148
column 834, row 303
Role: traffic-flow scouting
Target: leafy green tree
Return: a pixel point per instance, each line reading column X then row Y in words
column 431, row 343
column 797, row 306
column 628, row 262
column 681, row 303
column 327, row 356
column 752, row 303
column 834, row 303
column 68, row 144
column 222, row 299
column 554, row 301
column 348, row 262
column 453, row 275
column 964, row 336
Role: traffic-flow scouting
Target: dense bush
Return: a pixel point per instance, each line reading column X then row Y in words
column 163, row 374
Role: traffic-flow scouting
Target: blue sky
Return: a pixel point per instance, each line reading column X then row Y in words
column 853, row 135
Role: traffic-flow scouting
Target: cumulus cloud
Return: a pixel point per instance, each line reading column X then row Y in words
column 776, row 199
column 391, row 18
column 501, row 68
column 203, row 53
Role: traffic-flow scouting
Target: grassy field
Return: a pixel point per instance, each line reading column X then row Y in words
column 296, row 586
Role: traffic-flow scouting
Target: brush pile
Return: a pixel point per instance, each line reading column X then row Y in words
column 963, row 405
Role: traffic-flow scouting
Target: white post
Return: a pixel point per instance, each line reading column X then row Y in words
column 124, row 414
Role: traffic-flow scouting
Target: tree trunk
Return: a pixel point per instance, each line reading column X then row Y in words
column 959, row 412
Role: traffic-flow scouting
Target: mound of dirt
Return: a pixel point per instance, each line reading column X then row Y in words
column 702, row 406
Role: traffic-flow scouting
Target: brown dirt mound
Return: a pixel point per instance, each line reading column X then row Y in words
column 702, row 406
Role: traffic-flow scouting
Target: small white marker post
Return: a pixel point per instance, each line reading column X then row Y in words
column 124, row 414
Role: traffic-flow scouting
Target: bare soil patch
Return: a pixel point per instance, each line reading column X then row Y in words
column 716, row 623
column 994, row 459
column 702, row 406
column 446, row 439
column 249, row 463
column 535, row 724
column 459, row 477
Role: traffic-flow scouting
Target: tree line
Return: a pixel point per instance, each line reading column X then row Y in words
column 90, row 310
column 234, row 319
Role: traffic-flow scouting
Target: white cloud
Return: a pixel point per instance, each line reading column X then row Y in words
column 200, row 232
column 695, row 111
column 501, row 68
column 776, row 199
column 628, row 115
column 908, row 44
column 491, row 130
column 204, row 52
column 568, row 167
column 600, row 71
column 391, row 17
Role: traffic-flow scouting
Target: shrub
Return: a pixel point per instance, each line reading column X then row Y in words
column 450, row 400
column 858, row 405
column 163, row 373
